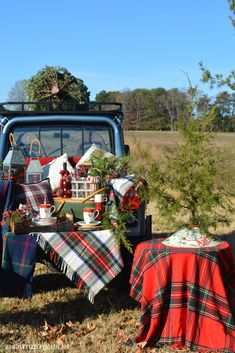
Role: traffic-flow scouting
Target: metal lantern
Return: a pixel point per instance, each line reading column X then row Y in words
column 14, row 164
column 34, row 172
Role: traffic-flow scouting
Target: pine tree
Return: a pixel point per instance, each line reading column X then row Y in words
column 188, row 189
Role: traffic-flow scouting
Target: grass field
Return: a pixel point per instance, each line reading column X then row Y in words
column 155, row 141
column 59, row 318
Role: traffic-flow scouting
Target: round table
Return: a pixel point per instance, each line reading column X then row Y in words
column 185, row 295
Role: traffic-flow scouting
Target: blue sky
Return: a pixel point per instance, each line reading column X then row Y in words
column 116, row 44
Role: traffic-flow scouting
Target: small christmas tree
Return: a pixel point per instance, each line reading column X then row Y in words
column 188, row 189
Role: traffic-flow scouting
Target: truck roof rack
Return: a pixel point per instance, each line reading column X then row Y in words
column 11, row 109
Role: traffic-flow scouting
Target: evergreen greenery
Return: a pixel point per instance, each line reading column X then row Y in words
column 219, row 79
column 57, row 84
column 119, row 230
column 116, row 215
column 188, row 188
column 109, row 167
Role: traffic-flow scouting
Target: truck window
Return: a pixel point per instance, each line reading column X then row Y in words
column 56, row 140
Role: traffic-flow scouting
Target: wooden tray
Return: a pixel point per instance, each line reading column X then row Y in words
column 72, row 204
column 63, row 226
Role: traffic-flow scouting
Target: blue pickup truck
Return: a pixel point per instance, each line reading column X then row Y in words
column 71, row 130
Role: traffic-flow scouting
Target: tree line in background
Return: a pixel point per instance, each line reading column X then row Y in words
column 161, row 109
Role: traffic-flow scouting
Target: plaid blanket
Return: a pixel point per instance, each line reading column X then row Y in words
column 5, row 195
column 92, row 257
column 18, row 262
column 122, row 185
column 185, row 295
column 119, row 190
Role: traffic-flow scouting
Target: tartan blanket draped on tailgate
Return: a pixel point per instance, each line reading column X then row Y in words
column 185, row 295
column 18, row 262
column 91, row 256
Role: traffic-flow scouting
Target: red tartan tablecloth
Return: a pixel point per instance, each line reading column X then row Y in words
column 185, row 295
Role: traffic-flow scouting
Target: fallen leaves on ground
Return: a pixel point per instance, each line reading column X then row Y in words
column 58, row 332
column 54, row 333
column 122, row 336
column 85, row 330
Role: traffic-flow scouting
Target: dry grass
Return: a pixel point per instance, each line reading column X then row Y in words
column 156, row 141
column 59, row 318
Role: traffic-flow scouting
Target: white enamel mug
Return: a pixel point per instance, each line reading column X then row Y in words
column 46, row 210
column 89, row 215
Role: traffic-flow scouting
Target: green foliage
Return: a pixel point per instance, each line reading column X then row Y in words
column 218, row 79
column 17, row 216
column 187, row 188
column 109, row 167
column 56, row 84
column 121, row 217
column 115, row 213
column 110, row 96
column 232, row 8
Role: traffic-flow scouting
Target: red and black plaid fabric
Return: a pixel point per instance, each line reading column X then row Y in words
column 185, row 295
column 33, row 194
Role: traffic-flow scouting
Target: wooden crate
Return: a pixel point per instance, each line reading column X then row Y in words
column 81, row 188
